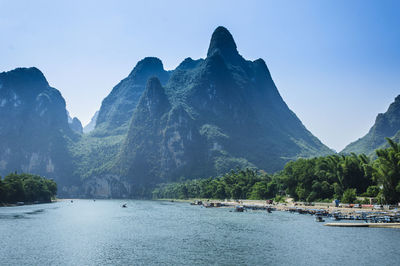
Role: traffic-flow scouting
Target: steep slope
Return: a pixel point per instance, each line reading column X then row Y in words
column 117, row 108
column 34, row 130
column 97, row 151
column 387, row 125
column 219, row 113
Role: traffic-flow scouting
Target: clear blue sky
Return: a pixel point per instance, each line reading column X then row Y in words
column 336, row 63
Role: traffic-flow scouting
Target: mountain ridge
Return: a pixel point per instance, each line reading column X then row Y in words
column 387, row 125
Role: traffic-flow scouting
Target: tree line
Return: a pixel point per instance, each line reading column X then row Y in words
column 343, row 177
column 26, row 188
column 239, row 184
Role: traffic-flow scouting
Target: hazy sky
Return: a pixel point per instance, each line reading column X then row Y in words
column 335, row 63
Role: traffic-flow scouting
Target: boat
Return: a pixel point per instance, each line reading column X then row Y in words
column 319, row 218
column 207, row 205
column 239, row 208
column 197, row 202
column 124, row 205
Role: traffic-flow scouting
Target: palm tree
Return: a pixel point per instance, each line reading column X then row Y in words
column 387, row 171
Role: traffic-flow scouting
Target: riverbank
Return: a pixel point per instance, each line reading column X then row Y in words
column 360, row 213
column 26, row 203
column 328, row 207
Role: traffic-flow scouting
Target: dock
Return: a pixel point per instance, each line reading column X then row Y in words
column 373, row 225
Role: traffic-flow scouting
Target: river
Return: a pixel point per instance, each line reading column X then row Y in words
column 100, row 232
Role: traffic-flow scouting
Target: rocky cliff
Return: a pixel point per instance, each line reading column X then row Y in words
column 387, row 125
column 34, row 129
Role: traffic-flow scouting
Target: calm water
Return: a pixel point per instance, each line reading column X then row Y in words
column 150, row 232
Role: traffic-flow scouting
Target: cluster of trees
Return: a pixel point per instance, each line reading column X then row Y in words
column 387, row 172
column 239, row 184
column 26, row 188
column 342, row 177
column 325, row 178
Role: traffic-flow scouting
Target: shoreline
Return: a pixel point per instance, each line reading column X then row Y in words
column 26, row 203
column 363, row 217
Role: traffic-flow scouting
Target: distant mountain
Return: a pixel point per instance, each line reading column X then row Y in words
column 75, row 124
column 387, row 125
column 34, row 129
column 211, row 116
column 92, row 124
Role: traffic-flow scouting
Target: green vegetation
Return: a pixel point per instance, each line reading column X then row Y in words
column 317, row 179
column 239, row 184
column 387, row 172
column 26, row 188
column 324, row 178
column 94, row 155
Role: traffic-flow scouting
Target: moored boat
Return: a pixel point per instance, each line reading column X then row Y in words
column 239, row 208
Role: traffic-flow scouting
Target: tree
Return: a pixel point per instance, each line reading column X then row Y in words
column 2, row 191
column 259, row 190
column 349, row 195
column 387, row 172
column 220, row 192
column 372, row 191
column 26, row 187
column 14, row 187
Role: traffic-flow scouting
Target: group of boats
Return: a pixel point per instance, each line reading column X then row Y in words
column 392, row 216
column 237, row 208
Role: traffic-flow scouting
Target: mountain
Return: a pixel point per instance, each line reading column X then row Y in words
column 202, row 119
column 212, row 115
column 92, row 124
column 75, row 124
column 387, row 125
column 117, row 108
column 34, row 129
